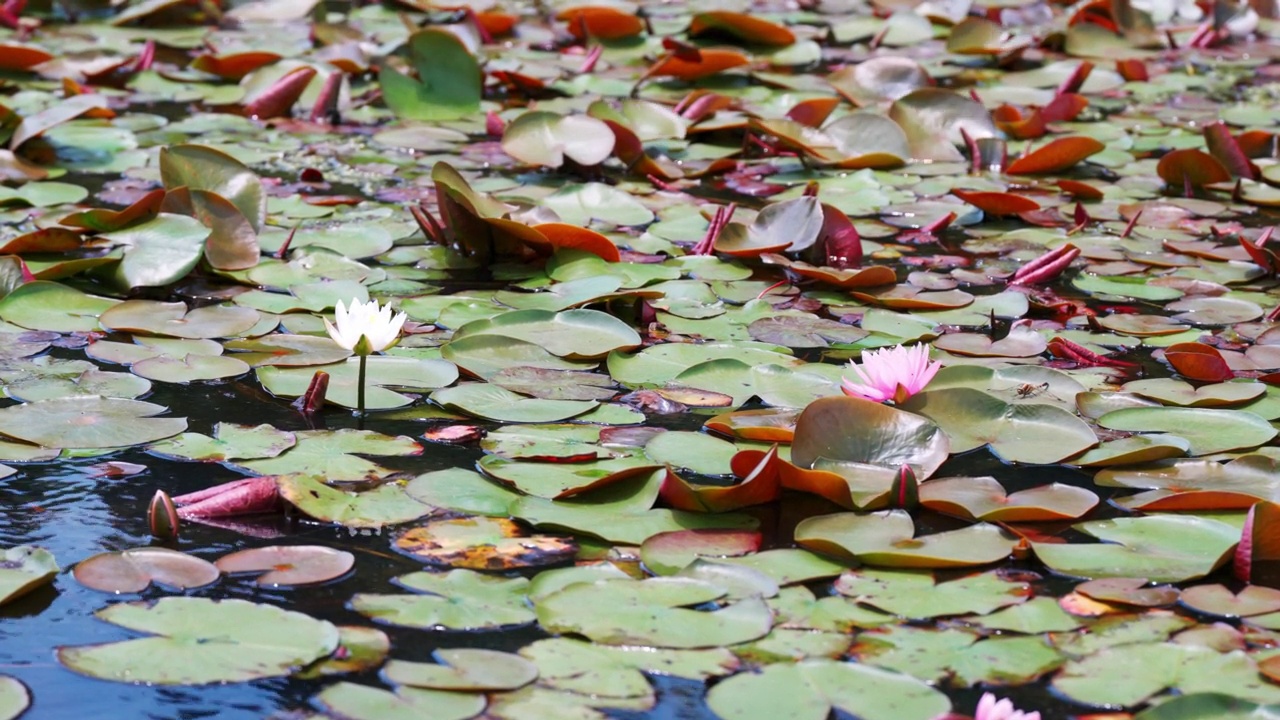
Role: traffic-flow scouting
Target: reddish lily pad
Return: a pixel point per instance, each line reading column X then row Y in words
column 288, row 565
column 131, row 571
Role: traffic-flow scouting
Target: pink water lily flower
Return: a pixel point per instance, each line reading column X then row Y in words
column 894, row 374
column 991, row 709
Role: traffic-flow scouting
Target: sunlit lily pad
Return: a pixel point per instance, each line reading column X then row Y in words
column 916, row 595
column 1208, row 431
column 23, row 569
column 984, row 498
column 362, row 702
column 386, row 504
column 195, row 641
column 572, row 334
column 458, row 600
column 332, row 454
column 1162, row 548
column 1017, row 432
column 53, row 306
column 465, row 669
column 811, row 689
column 14, row 697
column 888, row 539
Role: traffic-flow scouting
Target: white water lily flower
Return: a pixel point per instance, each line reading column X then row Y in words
column 365, row 328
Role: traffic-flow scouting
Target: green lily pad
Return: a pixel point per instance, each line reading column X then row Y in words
column 493, row 402
column 88, row 422
column 1130, row 674
column 1161, row 548
column 200, row 167
column 809, row 690
column 23, row 569
column 1017, row 432
column 449, row 79
column 572, row 334
column 456, row 600
column 361, row 702
column 887, row 539
column 229, row 442
column 387, row 504
column 332, row 454
column 464, row 669
column 288, row 350
column 43, row 305
column 866, row 443
column 14, row 697
column 196, row 641
column 158, row 252
column 1183, row 394
column 1208, row 431
column 381, row 373
column 174, row 320
column 917, row 595
column 653, row 612
column 1208, row 706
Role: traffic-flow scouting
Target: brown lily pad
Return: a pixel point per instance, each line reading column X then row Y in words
column 481, row 543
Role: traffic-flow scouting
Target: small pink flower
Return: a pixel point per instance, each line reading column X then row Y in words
column 894, row 374
column 991, row 709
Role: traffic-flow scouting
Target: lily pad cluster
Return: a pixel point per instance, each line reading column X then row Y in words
column 637, row 244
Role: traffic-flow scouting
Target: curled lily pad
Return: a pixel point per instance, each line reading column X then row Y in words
column 1188, row 484
column 88, row 422
column 288, row 565
column 545, row 138
column 866, row 442
column 196, row 641
column 888, row 539
column 23, row 569
column 131, row 571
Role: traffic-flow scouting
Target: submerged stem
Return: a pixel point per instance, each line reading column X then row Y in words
column 360, row 387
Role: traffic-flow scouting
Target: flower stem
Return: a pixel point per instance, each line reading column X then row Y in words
column 360, row 387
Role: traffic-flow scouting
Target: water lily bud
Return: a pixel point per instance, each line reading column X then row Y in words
column 162, row 517
column 906, row 491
